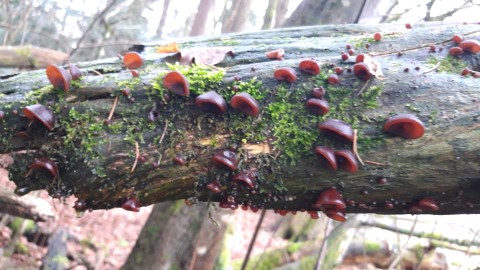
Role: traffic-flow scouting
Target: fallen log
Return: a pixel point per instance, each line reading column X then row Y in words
column 145, row 144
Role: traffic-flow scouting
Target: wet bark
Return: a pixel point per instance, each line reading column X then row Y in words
column 204, row 8
column 96, row 162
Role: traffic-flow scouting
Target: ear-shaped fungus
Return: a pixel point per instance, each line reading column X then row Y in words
column 428, row 203
column 59, row 77
column 228, row 202
column 346, row 160
column 338, row 215
column 44, row 164
column 327, row 157
column 245, row 103
column 131, row 204
column 285, row 74
column 317, row 106
column 362, row 71
column 40, row 113
column 329, row 199
column 470, row 45
column 178, row 84
column 132, row 60
column 75, row 72
column 337, row 129
column 214, row 187
column 246, row 178
column 225, row 160
column 211, row 102
column 404, row 125
column 275, row 54
column 309, row 66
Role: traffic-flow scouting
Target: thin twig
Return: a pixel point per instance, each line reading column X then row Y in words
column 268, row 243
column 194, row 254
column 252, row 241
column 355, row 150
column 363, row 87
column 376, row 163
column 469, row 249
column 433, row 68
column 400, row 253
column 164, row 132
column 323, row 247
column 115, row 101
column 92, row 23
column 137, row 155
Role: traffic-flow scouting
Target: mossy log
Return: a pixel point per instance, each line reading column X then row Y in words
column 131, row 155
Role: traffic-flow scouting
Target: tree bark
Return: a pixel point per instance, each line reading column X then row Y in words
column 96, row 161
column 204, row 8
column 269, row 14
column 163, row 18
column 281, row 13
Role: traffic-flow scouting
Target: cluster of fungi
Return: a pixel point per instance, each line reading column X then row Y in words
column 329, row 201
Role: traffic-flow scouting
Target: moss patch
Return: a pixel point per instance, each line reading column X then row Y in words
column 448, row 64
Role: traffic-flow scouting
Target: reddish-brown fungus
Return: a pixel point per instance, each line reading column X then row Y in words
column 318, row 92
column 245, row 103
column 333, row 79
column 457, row 38
column 470, row 45
column 329, row 199
column 309, row 66
column 211, row 102
column 327, row 157
column 275, row 54
column 175, row 82
column 345, row 56
column 131, row 204
column 59, row 77
column 404, row 125
column 337, row 129
column 360, row 58
column 362, row 71
column 285, row 74
column 428, row 203
column 225, row 160
column 228, row 202
column 317, row 106
column 377, row 36
column 346, row 160
column 45, row 164
column 246, row 178
column 214, row 186
column 338, row 215
column 455, row 51
column 40, row 113
column 74, row 71
column 179, row 161
column 132, row 60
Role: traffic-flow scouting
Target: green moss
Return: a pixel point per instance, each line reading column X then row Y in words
column 448, row 64
column 371, row 246
column 17, row 223
column 411, row 107
column 21, row 248
column 253, row 87
column 130, row 83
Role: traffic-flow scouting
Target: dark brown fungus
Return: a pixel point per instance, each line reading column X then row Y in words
column 428, row 203
column 74, row 71
column 211, row 102
column 346, row 160
column 415, row 209
column 470, row 45
column 80, row 205
column 245, row 103
column 362, row 71
column 59, row 77
column 337, row 129
column 214, row 187
column 45, row 164
column 228, row 202
column 131, row 204
column 318, row 92
column 40, row 113
column 338, row 215
column 246, row 178
column 225, row 160
column 317, row 106
column 179, row 161
column 175, row 82
column 132, row 60
column 404, row 125
column 285, row 74
column 309, row 66
column 329, row 199
column 327, row 157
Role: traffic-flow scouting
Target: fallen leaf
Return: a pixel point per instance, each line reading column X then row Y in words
column 169, row 48
column 206, row 56
column 374, row 67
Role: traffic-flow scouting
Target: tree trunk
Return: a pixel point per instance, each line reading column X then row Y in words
column 30, row 57
column 204, row 8
column 237, row 18
column 281, row 13
column 163, row 18
column 312, row 12
column 131, row 157
column 269, row 14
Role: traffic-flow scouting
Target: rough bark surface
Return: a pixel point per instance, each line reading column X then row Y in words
column 96, row 161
